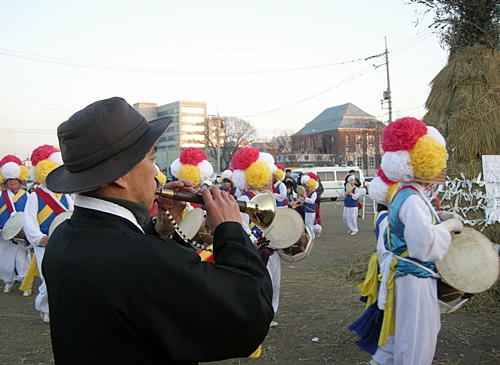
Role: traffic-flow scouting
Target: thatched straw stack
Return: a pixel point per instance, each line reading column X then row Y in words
column 464, row 105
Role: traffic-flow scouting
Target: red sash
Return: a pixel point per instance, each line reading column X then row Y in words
column 49, row 200
column 7, row 201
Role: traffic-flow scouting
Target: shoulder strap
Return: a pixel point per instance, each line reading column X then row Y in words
column 8, row 202
column 56, row 208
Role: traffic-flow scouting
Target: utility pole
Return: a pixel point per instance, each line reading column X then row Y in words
column 218, row 140
column 387, row 94
column 389, row 98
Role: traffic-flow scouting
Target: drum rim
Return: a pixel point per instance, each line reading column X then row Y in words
column 17, row 218
column 58, row 220
column 269, row 232
column 194, row 215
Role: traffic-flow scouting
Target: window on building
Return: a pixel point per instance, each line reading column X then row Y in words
column 347, row 143
column 185, row 109
column 359, row 143
column 370, row 141
column 306, row 157
column 371, row 163
column 359, row 161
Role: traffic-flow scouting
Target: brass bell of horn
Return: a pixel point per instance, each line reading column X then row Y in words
column 261, row 208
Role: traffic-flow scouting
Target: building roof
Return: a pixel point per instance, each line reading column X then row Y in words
column 344, row 116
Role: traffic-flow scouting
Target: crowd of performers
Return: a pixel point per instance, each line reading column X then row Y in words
column 21, row 257
column 402, row 317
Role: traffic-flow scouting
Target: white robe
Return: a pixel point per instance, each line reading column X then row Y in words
column 417, row 315
column 34, row 234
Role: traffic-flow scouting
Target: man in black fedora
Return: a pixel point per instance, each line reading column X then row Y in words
column 121, row 291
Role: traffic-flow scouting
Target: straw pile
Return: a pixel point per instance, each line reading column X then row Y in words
column 464, row 105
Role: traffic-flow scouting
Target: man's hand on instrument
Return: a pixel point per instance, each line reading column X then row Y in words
column 444, row 216
column 220, row 206
column 164, row 225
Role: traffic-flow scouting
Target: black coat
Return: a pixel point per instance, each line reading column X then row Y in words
column 118, row 296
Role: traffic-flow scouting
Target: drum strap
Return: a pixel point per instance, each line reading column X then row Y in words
column 8, row 202
column 49, row 200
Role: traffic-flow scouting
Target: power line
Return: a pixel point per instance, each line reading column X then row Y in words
column 38, row 58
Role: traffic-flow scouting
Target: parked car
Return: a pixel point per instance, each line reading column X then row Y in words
column 332, row 178
column 368, row 180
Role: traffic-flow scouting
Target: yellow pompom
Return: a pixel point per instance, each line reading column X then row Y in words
column 311, row 184
column 428, row 158
column 1, row 176
column 190, row 173
column 279, row 174
column 393, row 188
column 25, row 173
column 160, row 176
column 43, row 168
column 258, row 175
column 256, row 353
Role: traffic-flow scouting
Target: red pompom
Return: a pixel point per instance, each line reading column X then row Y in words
column 280, row 167
column 42, row 153
column 312, row 175
column 192, row 156
column 10, row 158
column 403, row 134
column 244, row 157
column 381, row 174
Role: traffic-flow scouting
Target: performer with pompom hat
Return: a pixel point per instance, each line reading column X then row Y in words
column 351, row 196
column 41, row 209
column 416, row 237
column 14, row 258
column 252, row 174
column 228, row 185
column 279, row 188
column 310, row 182
column 193, row 166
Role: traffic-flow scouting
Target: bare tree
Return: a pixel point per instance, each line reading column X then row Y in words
column 233, row 132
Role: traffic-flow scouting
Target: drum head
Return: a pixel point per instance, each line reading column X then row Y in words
column 286, row 229
column 471, row 263
column 192, row 222
column 300, row 190
column 61, row 217
column 13, row 226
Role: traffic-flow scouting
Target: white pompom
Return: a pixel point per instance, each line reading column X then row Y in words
column 397, row 166
column 57, row 158
column 269, row 160
column 11, row 170
column 378, row 191
column 240, row 180
column 175, row 167
column 206, row 170
column 226, row 174
column 434, row 133
column 304, row 179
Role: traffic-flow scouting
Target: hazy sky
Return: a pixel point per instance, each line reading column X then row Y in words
column 277, row 64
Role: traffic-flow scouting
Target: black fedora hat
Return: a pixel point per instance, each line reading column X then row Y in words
column 101, row 143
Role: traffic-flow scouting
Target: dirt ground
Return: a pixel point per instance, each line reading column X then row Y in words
column 319, row 300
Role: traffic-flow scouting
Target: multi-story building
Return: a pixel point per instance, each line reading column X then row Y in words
column 341, row 135
column 188, row 128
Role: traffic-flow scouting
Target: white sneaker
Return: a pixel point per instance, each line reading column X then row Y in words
column 45, row 317
column 27, row 293
column 8, row 287
column 273, row 324
column 353, row 233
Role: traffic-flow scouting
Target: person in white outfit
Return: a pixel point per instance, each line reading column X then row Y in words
column 351, row 196
column 416, row 237
column 310, row 183
column 14, row 256
column 41, row 208
column 252, row 174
